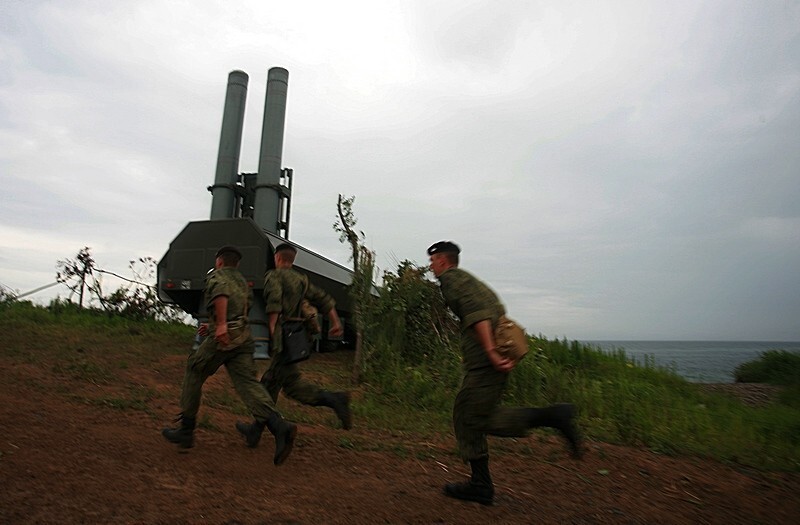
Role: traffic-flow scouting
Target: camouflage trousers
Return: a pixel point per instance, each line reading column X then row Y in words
column 287, row 377
column 205, row 360
column 477, row 413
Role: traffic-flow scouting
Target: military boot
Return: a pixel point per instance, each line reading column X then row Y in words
column 284, row 433
column 479, row 488
column 340, row 403
column 183, row 435
column 251, row 432
column 562, row 418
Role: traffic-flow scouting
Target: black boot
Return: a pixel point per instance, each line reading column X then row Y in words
column 562, row 418
column 340, row 403
column 251, row 432
column 284, row 433
column 479, row 488
column 183, row 435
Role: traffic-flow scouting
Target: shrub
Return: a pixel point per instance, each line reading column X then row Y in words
column 777, row 367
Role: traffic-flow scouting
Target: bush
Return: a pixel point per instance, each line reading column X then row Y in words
column 776, row 367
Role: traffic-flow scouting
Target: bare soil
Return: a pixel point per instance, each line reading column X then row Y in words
column 68, row 454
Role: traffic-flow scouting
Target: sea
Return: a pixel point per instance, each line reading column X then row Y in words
column 696, row 361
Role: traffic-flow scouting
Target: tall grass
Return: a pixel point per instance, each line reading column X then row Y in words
column 413, row 370
column 619, row 401
column 73, row 335
column 61, row 312
column 777, row 367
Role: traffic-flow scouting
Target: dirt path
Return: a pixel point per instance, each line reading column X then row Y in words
column 68, row 460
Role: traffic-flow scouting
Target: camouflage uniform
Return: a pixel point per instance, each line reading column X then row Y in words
column 477, row 411
column 284, row 290
column 208, row 357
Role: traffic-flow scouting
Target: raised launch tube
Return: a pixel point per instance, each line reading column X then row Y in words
column 266, row 210
column 230, row 144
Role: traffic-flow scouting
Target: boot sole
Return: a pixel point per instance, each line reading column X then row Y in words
column 180, row 442
column 488, row 501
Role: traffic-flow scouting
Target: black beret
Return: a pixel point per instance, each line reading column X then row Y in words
column 229, row 249
column 444, row 247
column 285, row 246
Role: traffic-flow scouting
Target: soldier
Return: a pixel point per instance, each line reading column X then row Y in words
column 228, row 298
column 284, row 290
column 477, row 411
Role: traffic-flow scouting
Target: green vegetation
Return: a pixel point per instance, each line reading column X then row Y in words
column 410, row 376
column 76, row 350
column 412, row 372
column 26, row 315
column 776, row 367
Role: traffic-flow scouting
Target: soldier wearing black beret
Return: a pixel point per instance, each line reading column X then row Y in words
column 444, row 247
column 477, row 411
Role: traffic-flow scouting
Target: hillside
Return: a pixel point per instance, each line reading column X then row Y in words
column 81, row 410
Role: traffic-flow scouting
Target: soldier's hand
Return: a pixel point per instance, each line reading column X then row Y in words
column 202, row 330
column 221, row 335
column 500, row 363
column 336, row 331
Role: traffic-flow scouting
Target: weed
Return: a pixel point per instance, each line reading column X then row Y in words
column 346, row 443
column 205, row 422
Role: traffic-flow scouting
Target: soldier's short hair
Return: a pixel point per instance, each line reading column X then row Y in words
column 287, row 251
column 285, row 246
column 230, row 255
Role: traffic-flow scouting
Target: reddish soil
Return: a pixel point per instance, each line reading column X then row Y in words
column 68, row 456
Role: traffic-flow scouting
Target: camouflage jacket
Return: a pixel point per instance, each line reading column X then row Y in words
column 284, row 291
column 231, row 283
column 472, row 301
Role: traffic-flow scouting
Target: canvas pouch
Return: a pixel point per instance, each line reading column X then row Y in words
column 510, row 339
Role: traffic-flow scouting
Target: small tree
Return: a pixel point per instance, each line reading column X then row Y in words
column 7, row 295
column 138, row 300
column 75, row 273
column 363, row 268
column 428, row 332
column 135, row 300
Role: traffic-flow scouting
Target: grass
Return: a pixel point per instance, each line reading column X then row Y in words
column 776, row 367
column 619, row 399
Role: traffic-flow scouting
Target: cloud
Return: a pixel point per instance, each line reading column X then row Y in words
column 615, row 170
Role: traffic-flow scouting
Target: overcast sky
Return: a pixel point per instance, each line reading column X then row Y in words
column 614, row 170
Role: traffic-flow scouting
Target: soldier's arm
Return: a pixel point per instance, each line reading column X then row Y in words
column 483, row 333
column 273, row 300
column 272, row 320
column 325, row 303
column 320, row 298
column 221, row 315
column 336, row 324
column 463, row 297
column 273, row 293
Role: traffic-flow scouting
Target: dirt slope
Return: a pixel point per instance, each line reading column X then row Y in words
column 69, row 456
